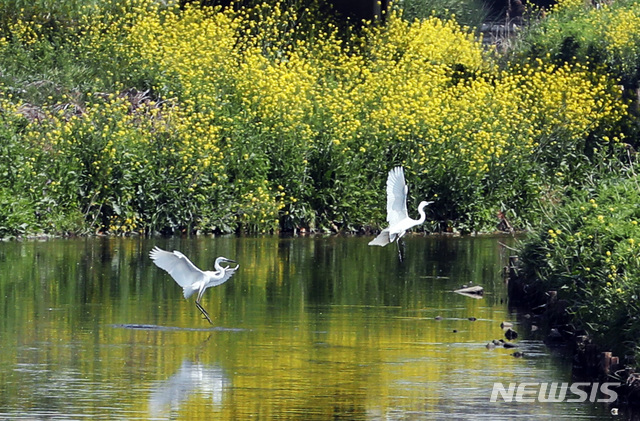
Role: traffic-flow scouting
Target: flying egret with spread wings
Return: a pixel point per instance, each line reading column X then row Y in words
column 189, row 277
column 397, row 216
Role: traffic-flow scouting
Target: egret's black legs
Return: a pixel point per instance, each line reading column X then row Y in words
column 204, row 312
column 401, row 249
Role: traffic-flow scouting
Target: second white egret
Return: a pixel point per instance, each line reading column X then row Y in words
column 397, row 215
column 189, row 277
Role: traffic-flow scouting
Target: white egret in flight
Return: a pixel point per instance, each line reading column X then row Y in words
column 189, row 277
column 397, row 216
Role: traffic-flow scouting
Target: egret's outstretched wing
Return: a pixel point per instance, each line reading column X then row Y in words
column 396, row 196
column 382, row 239
column 178, row 265
column 228, row 273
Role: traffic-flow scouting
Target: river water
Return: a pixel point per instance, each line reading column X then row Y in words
column 308, row 329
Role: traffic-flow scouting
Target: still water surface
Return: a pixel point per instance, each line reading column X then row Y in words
column 308, row 328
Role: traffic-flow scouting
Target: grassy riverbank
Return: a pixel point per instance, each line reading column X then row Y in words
column 125, row 116
column 586, row 244
column 588, row 250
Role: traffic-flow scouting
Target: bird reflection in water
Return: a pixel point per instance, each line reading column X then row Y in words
column 193, row 378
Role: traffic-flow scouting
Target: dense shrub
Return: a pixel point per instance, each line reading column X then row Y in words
column 196, row 119
column 598, row 34
column 471, row 13
column 588, row 250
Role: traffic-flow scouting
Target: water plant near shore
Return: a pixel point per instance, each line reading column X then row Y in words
column 168, row 119
column 587, row 250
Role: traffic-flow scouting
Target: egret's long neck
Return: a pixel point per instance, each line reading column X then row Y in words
column 423, row 216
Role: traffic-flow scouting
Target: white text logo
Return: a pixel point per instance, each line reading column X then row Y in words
column 555, row 392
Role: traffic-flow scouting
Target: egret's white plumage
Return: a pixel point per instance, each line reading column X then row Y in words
column 397, row 215
column 189, row 277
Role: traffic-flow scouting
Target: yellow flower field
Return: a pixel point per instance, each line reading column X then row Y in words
column 221, row 120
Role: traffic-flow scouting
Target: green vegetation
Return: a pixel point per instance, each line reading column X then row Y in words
column 123, row 116
column 586, row 244
column 469, row 13
column 605, row 35
column 588, row 250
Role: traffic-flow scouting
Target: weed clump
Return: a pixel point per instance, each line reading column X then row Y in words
column 133, row 116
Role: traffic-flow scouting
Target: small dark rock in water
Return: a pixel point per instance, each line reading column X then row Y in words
column 508, row 345
column 455, row 331
column 473, row 319
column 518, row 354
column 438, row 317
column 510, row 334
column 554, row 335
column 506, row 325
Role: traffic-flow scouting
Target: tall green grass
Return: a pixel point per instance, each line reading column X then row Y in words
column 587, row 249
column 127, row 116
